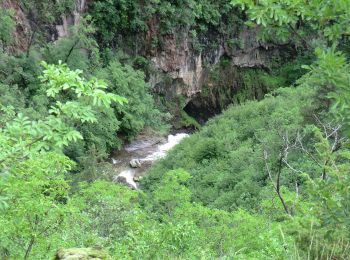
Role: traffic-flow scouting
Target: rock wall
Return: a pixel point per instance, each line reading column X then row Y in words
column 22, row 30
column 181, row 72
column 178, row 69
column 72, row 18
column 26, row 24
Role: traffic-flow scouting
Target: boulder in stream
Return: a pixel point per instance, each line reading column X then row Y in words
column 139, row 155
column 137, row 178
column 127, row 178
column 135, row 163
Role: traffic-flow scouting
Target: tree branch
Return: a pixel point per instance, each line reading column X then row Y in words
column 71, row 50
column 277, row 185
column 26, row 146
column 305, row 43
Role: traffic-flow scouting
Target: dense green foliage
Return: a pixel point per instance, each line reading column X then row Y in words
column 225, row 158
column 115, row 18
column 267, row 179
column 293, row 19
column 50, row 11
column 140, row 111
column 6, row 25
column 21, row 90
column 285, row 157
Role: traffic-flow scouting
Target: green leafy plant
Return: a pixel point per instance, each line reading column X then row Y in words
column 33, row 190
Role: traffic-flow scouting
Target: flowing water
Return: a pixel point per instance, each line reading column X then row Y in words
column 142, row 153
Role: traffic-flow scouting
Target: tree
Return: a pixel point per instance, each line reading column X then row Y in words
column 288, row 19
column 330, row 75
column 140, row 111
column 33, row 192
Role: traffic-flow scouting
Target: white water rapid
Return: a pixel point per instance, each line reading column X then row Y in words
column 141, row 154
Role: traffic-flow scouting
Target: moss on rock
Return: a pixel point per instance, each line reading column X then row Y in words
column 81, row 254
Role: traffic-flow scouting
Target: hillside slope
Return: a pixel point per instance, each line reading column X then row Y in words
column 226, row 158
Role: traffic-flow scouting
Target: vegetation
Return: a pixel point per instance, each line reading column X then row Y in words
column 266, row 179
column 6, row 25
column 115, row 18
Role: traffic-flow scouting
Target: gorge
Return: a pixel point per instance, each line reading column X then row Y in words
column 174, row 129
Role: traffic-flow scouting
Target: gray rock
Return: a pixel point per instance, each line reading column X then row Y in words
column 135, row 163
column 120, row 179
column 124, row 180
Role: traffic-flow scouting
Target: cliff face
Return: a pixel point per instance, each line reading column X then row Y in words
column 71, row 19
column 184, row 75
column 28, row 24
column 22, row 30
column 179, row 70
column 189, row 70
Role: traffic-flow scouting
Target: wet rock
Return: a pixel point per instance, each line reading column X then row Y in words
column 114, row 161
column 137, row 178
column 130, row 170
column 81, row 254
column 126, row 178
column 135, row 163
column 121, row 179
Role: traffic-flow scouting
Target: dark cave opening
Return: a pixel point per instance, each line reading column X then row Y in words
column 201, row 109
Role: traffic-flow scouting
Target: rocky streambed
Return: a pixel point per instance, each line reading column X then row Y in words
column 134, row 159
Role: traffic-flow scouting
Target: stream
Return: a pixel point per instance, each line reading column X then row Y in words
column 136, row 157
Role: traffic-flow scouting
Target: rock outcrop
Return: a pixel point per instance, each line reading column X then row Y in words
column 179, row 72
column 71, row 19
column 81, row 254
